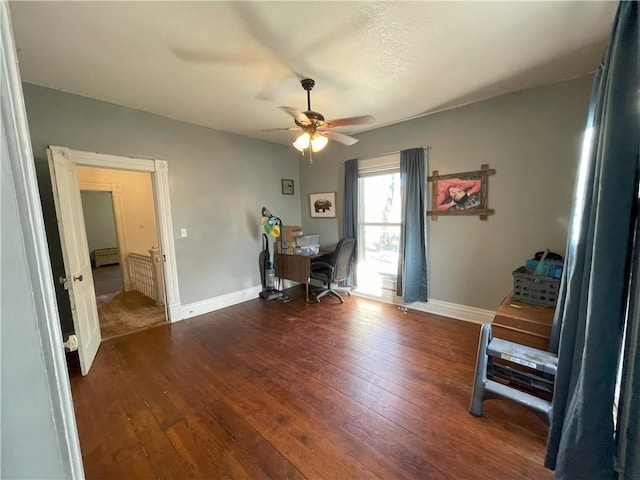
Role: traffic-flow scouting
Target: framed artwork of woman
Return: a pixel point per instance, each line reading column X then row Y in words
column 460, row 193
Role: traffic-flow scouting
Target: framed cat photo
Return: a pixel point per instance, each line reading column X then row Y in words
column 287, row 186
column 461, row 194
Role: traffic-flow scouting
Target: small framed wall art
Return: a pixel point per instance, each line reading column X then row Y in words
column 463, row 193
column 287, row 186
column 322, row 205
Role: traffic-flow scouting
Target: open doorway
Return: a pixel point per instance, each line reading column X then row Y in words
column 78, row 278
column 122, row 237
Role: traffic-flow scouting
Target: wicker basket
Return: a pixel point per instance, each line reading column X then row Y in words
column 536, row 289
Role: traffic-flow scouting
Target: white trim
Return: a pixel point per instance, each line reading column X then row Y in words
column 118, row 215
column 47, row 322
column 160, row 173
column 167, row 244
column 436, row 307
column 222, row 301
column 92, row 159
column 454, row 310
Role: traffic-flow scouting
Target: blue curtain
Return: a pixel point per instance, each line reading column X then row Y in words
column 350, row 217
column 412, row 259
column 594, row 293
column 628, row 431
column 350, row 214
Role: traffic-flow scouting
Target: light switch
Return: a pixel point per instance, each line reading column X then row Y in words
column 183, row 232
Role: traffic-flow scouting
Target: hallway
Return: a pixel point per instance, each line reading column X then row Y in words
column 122, row 313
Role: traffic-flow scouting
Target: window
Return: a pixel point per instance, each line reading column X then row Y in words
column 379, row 216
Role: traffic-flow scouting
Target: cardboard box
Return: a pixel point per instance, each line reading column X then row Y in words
column 523, row 323
column 288, row 233
column 287, row 240
column 285, row 247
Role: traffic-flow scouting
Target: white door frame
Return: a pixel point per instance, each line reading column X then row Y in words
column 115, row 191
column 13, row 118
column 159, row 170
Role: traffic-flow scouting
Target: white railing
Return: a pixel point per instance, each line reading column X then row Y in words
column 146, row 274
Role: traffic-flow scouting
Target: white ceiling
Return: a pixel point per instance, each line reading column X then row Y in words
column 229, row 65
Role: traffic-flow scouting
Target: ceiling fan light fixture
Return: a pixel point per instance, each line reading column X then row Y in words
column 302, row 141
column 315, row 131
column 318, row 142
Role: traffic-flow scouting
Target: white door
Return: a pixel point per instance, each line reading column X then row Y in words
column 75, row 252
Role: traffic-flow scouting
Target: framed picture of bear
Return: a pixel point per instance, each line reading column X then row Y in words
column 459, row 194
column 322, row 205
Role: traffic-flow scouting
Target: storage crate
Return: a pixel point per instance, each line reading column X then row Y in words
column 536, row 289
column 306, row 251
column 549, row 268
column 308, row 240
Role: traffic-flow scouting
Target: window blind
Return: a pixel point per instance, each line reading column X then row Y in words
column 380, row 164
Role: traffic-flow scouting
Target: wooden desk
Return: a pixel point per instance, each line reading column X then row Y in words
column 523, row 323
column 294, row 267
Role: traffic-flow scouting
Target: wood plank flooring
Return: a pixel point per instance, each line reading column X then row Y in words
column 123, row 313
column 317, row 391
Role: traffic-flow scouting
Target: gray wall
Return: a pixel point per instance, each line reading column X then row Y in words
column 98, row 220
column 28, row 441
column 218, row 182
column 532, row 138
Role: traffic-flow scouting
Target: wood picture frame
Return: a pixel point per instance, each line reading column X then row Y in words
column 287, row 186
column 460, row 194
column 322, row 205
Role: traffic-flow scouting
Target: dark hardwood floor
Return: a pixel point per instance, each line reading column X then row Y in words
column 122, row 313
column 126, row 312
column 318, row 391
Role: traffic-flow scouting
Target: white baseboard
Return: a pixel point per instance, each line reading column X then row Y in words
column 437, row 307
column 175, row 312
column 454, row 310
column 222, row 301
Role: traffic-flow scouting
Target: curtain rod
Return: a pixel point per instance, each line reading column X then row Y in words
column 384, row 154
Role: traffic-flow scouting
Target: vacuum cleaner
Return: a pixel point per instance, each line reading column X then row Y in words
column 267, row 273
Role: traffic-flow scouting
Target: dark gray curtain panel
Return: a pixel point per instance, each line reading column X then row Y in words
column 350, row 217
column 412, row 258
column 628, row 430
column 594, row 292
column 350, row 213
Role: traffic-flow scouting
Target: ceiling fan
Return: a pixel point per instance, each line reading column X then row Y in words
column 316, row 131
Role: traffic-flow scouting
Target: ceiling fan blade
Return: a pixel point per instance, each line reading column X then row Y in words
column 297, row 114
column 341, row 122
column 339, row 137
column 290, row 129
column 198, row 56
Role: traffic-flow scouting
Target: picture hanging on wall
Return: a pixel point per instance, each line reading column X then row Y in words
column 287, row 186
column 458, row 194
column 322, row 205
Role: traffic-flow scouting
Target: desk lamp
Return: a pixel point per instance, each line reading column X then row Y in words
column 271, row 223
column 272, row 226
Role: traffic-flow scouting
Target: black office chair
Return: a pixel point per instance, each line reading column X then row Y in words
column 333, row 268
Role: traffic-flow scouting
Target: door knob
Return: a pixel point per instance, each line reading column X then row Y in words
column 78, row 278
